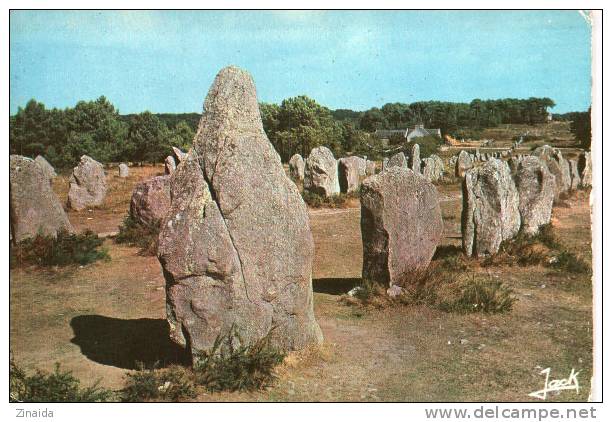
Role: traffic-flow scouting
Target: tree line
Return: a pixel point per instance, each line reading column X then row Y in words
column 97, row 129
column 450, row 117
column 296, row 125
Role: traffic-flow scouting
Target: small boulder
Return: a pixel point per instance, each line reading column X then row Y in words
column 87, row 185
column 463, row 164
column 490, row 211
column 124, row 170
column 296, row 168
column 34, row 207
column 151, row 200
column 401, row 225
column 321, row 173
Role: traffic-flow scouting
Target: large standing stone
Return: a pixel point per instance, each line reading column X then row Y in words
column 124, row 170
column 490, row 212
column 575, row 174
column 398, row 160
column 370, row 168
column 151, row 200
column 585, row 168
column 321, row 172
column 401, row 225
column 433, row 168
column 558, row 166
column 536, row 188
column 296, row 168
column 350, row 171
column 463, row 164
column 47, row 168
column 415, row 158
column 87, row 184
column 34, row 208
column 236, row 246
column 169, row 165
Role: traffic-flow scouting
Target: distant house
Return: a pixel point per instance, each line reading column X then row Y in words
column 419, row 131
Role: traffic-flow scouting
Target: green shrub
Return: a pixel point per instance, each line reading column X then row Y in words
column 59, row 386
column 231, row 365
column 170, row 384
column 567, row 261
column 439, row 287
column 428, row 145
column 134, row 233
column 65, row 249
column 480, row 295
column 339, row 200
column 366, row 289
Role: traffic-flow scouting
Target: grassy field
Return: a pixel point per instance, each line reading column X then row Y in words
column 99, row 320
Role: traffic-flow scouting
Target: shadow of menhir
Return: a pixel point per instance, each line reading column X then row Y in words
column 126, row 342
column 334, row 286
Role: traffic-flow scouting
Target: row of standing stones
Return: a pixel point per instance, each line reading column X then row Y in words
column 34, row 207
column 235, row 243
column 323, row 175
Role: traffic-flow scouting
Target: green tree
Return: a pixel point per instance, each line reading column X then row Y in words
column 581, row 128
column 182, row 136
column 147, row 138
column 99, row 128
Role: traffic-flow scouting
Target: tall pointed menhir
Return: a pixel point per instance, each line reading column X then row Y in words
column 236, row 245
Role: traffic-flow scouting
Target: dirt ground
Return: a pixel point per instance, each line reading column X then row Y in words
column 100, row 319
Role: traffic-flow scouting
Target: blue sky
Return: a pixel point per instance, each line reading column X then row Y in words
column 165, row 61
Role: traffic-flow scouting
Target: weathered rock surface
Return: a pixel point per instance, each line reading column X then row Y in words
column 34, row 208
column 47, row 168
column 385, row 164
column 124, row 170
column 151, row 200
column 536, row 188
column 490, row 211
column 401, row 225
column 574, row 174
column 169, row 165
column 178, row 154
column 236, row 246
column 398, row 160
column 415, row 158
column 350, row 172
column 463, row 164
column 433, row 168
column 557, row 165
column 296, row 168
column 585, row 168
column 321, row 172
column 370, row 168
column 87, row 185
